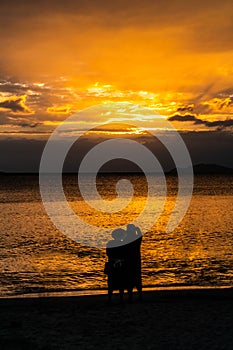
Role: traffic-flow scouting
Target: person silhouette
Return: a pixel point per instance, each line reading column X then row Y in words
column 132, row 249
column 115, row 268
column 124, row 262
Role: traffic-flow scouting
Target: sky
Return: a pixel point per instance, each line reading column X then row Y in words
column 58, row 58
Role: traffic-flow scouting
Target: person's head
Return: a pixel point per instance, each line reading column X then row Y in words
column 131, row 232
column 118, row 234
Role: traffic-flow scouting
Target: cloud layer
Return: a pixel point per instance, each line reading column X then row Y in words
column 219, row 124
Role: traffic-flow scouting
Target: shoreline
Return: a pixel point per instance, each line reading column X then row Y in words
column 96, row 292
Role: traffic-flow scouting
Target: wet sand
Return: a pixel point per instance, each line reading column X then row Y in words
column 169, row 319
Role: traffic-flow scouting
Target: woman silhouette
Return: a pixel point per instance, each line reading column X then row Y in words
column 116, row 264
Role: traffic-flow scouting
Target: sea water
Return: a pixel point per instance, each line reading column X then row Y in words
column 36, row 257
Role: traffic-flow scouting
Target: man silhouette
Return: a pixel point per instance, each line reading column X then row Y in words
column 133, row 259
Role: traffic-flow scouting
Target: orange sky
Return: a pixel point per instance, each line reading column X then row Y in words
column 60, row 57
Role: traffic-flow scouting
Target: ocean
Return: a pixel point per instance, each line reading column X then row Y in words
column 35, row 257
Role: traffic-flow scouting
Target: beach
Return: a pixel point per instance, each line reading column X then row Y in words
column 166, row 319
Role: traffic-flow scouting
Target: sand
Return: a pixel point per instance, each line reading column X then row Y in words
column 176, row 319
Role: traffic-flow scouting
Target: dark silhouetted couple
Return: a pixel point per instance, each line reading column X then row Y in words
column 124, row 262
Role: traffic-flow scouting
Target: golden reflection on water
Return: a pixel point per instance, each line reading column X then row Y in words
column 107, row 191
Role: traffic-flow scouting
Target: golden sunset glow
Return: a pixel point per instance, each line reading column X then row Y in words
column 176, row 59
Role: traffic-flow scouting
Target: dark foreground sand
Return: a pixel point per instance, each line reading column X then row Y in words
column 183, row 319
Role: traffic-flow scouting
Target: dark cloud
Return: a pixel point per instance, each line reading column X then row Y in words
column 16, row 87
column 186, row 118
column 13, row 88
column 15, row 121
column 227, row 103
column 225, row 93
column 185, row 109
column 220, row 102
column 39, row 97
column 22, row 133
column 4, row 119
column 219, row 124
column 30, row 125
column 15, row 105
